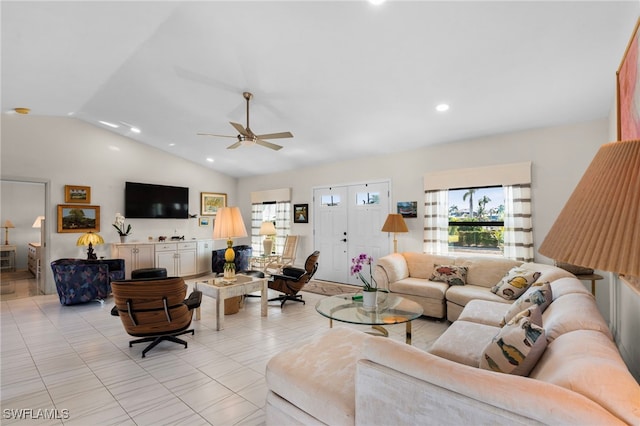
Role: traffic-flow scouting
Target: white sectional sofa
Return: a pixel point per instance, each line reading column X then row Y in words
column 408, row 275
column 346, row 377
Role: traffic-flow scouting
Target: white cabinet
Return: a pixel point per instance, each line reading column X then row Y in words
column 178, row 258
column 205, row 247
column 33, row 259
column 136, row 256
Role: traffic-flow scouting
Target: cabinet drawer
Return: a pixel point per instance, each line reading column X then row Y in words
column 187, row 246
column 167, row 247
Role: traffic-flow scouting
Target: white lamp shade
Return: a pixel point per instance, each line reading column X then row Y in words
column 228, row 224
column 267, row 228
column 38, row 222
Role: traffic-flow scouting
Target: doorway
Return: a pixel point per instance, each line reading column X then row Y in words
column 348, row 222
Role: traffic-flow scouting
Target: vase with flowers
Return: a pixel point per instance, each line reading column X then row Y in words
column 370, row 287
column 119, row 225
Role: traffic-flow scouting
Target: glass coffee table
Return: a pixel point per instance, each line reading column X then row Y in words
column 391, row 309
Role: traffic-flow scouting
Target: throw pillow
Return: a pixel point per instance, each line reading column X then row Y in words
column 518, row 346
column 538, row 294
column 452, row 275
column 516, row 282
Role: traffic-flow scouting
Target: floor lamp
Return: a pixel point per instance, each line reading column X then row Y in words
column 395, row 223
column 229, row 224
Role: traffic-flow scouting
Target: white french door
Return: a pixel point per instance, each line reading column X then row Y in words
column 348, row 221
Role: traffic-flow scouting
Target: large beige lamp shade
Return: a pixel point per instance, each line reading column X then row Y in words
column 267, row 229
column 229, row 224
column 599, row 227
column 395, row 223
column 89, row 239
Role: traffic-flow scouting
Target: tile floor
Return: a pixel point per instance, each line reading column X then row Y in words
column 75, row 363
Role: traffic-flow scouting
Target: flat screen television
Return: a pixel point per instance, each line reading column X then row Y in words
column 148, row 201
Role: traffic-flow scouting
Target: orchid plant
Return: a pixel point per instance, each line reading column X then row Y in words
column 119, row 225
column 357, row 264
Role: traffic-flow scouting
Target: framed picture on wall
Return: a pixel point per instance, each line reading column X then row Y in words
column 210, row 202
column 204, row 221
column 408, row 208
column 77, row 194
column 78, row 218
column 301, row 213
column 628, row 90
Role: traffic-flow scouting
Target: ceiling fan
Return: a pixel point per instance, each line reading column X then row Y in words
column 247, row 137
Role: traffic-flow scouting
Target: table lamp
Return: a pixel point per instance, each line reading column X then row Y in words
column 229, row 224
column 89, row 239
column 268, row 230
column 7, row 224
column 599, row 227
column 395, row 223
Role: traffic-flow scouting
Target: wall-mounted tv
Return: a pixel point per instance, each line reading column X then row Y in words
column 148, row 201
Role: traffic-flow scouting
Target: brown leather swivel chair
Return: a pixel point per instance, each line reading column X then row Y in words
column 155, row 309
column 291, row 281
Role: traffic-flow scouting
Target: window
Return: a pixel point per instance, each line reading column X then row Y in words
column 476, row 220
column 278, row 213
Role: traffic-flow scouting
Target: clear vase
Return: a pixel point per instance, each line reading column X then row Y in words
column 369, row 299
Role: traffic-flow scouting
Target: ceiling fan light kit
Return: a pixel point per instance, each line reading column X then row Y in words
column 247, row 137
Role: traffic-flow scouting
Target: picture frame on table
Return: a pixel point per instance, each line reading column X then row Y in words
column 78, row 219
column 301, row 213
column 628, row 90
column 77, row 194
column 210, row 202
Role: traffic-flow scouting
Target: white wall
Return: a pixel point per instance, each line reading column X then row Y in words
column 67, row 151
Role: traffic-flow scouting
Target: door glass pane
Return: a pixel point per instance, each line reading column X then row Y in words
column 330, row 200
column 363, row 198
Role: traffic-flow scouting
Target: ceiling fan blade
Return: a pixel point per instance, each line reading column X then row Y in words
column 235, row 145
column 240, row 129
column 268, row 144
column 275, row 135
column 219, row 136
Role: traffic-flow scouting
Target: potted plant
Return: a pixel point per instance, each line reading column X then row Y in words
column 119, row 225
column 370, row 288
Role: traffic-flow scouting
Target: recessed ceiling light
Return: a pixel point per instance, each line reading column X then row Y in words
column 135, row 130
column 209, row 159
column 172, row 144
column 106, row 123
column 442, row 107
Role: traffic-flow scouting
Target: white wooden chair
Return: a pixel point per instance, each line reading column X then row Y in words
column 287, row 258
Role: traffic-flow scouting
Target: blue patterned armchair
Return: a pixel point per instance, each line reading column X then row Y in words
column 81, row 280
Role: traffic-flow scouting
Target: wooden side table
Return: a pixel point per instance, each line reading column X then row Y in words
column 593, row 278
column 7, row 258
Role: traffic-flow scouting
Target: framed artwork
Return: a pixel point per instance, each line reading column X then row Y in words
column 204, row 221
column 301, row 213
column 77, row 194
column 408, row 208
column 210, row 202
column 78, row 218
column 628, row 88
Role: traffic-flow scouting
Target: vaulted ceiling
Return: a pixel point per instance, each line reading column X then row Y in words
column 347, row 78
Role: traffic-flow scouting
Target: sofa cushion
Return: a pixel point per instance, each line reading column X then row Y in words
column 484, row 312
column 486, row 271
column 547, row 272
column 563, row 286
column 516, row 282
column 573, row 311
column 450, row 274
column 569, row 362
column 420, row 287
column 463, row 342
column 321, row 385
column 538, row 294
column 518, row 346
column 421, row 265
column 461, row 295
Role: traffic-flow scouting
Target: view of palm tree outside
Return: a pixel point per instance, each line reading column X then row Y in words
column 476, row 220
